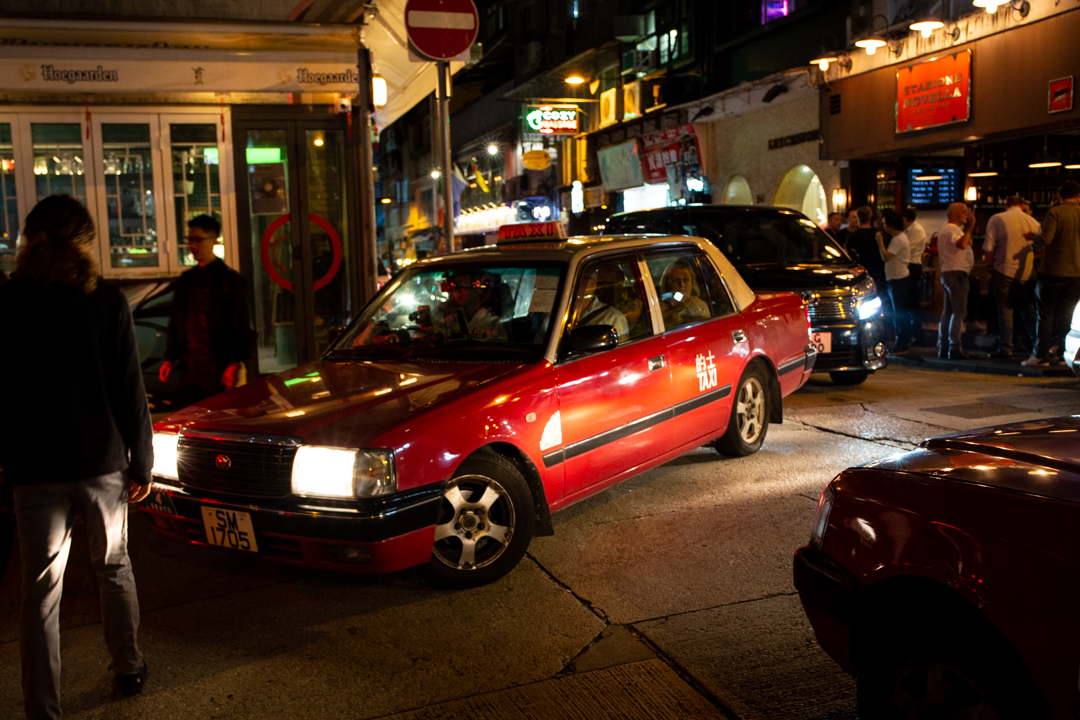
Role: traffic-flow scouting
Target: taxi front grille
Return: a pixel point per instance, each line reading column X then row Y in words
column 252, row 469
column 831, row 307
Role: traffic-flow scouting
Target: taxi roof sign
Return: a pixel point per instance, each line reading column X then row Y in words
column 529, row 232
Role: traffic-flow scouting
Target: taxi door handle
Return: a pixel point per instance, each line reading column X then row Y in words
column 738, row 336
column 656, row 363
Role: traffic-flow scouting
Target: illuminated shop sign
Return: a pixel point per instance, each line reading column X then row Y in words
column 934, row 93
column 551, row 119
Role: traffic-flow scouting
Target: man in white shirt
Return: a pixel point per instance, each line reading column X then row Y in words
column 957, row 259
column 897, row 256
column 1012, row 279
column 917, row 240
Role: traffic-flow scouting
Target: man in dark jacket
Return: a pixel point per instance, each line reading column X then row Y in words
column 863, row 246
column 210, row 326
column 74, row 437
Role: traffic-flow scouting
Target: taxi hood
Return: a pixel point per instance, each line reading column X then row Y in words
column 346, row 404
column 1040, row 457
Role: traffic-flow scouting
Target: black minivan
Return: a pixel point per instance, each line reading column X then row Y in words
column 780, row 249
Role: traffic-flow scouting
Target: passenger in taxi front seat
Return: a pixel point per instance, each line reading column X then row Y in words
column 679, row 300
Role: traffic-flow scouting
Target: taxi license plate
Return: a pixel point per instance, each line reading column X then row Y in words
column 822, row 341
column 229, row 528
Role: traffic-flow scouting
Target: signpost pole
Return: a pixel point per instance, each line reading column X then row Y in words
column 443, row 68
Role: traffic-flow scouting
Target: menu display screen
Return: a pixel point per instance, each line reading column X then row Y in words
column 932, row 186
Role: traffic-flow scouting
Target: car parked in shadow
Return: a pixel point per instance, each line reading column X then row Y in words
column 777, row 249
column 945, row 579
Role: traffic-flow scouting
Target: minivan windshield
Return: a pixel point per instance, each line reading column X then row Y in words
column 746, row 238
column 461, row 311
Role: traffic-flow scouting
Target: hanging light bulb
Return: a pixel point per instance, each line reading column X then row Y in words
column 870, row 44
column 1044, row 159
column 990, row 6
column 926, row 27
column 823, row 61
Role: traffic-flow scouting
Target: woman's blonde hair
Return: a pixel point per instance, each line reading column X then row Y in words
column 56, row 243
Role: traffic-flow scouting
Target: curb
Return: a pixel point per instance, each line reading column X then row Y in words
column 981, row 366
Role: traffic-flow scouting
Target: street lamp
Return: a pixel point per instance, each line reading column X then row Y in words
column 493, row 149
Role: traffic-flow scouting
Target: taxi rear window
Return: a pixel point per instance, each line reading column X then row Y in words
column 463, row 311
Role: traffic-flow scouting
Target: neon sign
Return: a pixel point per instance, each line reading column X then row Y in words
column 552, row 120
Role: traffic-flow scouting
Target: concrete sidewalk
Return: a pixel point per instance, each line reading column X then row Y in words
column 926, row 358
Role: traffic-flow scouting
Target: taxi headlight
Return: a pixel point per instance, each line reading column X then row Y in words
column 342, row 473
column 868, row 307
column 165, row 455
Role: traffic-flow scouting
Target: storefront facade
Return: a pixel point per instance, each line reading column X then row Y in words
column 150, row 124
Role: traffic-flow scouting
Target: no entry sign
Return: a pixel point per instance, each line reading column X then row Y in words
column 441, row 29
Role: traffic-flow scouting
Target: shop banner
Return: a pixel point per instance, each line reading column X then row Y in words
column 620, row 166
column 934, row 93
column 35, row 69
column 1061, row 95
column 670, row 148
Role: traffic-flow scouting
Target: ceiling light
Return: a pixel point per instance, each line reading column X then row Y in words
column 926, row 27
column 1073, row 167
column 870, row 45
column 1044, row 159
column 823, row 61
column 990, row 5
column 983, row 173
column 575, row 80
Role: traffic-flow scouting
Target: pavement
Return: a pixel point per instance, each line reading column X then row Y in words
column 927, row 359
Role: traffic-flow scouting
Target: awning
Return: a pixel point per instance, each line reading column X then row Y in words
column 96, row 57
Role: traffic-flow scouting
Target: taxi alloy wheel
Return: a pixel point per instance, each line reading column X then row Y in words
column 749, row 415
column 484, row 524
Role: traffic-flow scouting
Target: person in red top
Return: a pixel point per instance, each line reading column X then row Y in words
column 210, row 331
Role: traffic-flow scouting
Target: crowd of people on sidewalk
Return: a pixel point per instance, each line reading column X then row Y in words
column 1034, row 271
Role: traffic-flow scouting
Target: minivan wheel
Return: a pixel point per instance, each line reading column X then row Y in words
column 749, row 416
column 484, row 524
column 849, row 377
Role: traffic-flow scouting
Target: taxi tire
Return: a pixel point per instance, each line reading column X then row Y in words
column 487, row 466
column 732, row 442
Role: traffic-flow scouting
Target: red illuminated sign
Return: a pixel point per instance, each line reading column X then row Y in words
column 533, row 231
column 1061, row 94
column 670, row 146
column 934, row 93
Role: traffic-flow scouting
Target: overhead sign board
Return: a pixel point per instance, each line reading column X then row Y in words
column 1061, row 95
column 441, row 29
column 551, row 119
column 536, row 160
column 934, row 93
column 620, row 166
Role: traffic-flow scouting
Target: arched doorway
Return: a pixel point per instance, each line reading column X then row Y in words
column 737, row 192
column 801, row 190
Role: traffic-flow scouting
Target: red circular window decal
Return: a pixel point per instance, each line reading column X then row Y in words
column 269, row 265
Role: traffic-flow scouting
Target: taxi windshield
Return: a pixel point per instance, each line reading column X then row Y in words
column 457, row 312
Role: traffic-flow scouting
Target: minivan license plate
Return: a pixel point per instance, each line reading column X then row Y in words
column 229, row 528
column 822, row 341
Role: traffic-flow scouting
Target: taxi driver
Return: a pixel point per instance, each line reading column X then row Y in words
column 591, row 310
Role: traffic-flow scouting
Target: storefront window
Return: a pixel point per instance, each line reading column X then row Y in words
column 129, row 194
column 58, row 160
column 9, row 212
column 801, row 190
column 737, row 192
column 196, row 182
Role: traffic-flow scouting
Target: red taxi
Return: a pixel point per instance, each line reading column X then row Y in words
column 476, row 394
column 945, row 579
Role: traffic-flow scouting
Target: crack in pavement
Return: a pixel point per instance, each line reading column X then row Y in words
column 878, row 440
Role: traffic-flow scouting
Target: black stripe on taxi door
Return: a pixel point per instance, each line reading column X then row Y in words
column 788, row 367
column 583, row 446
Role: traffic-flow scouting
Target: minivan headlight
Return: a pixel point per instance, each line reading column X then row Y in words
column 165, row 455
column 342, row 472
column 868, row 307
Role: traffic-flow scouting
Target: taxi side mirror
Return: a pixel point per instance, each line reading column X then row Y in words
column 593, row 338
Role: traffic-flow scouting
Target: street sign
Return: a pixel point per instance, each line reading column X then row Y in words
column 441, row 29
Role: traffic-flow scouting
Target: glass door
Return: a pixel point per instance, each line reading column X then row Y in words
column 293, row 211
column 10, row 219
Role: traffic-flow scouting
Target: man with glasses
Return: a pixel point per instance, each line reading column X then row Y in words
column 210, row 331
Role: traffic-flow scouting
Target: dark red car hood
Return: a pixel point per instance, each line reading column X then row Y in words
column 322, row 400
column 1040, row 457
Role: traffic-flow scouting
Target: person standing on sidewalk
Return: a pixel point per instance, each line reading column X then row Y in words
column 210, row 332
column 1058, row 289
column 897, row 255
column 862, row 245
column 75, row 437
column 917, row 239
column 957, row 259
column 1011, row 255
